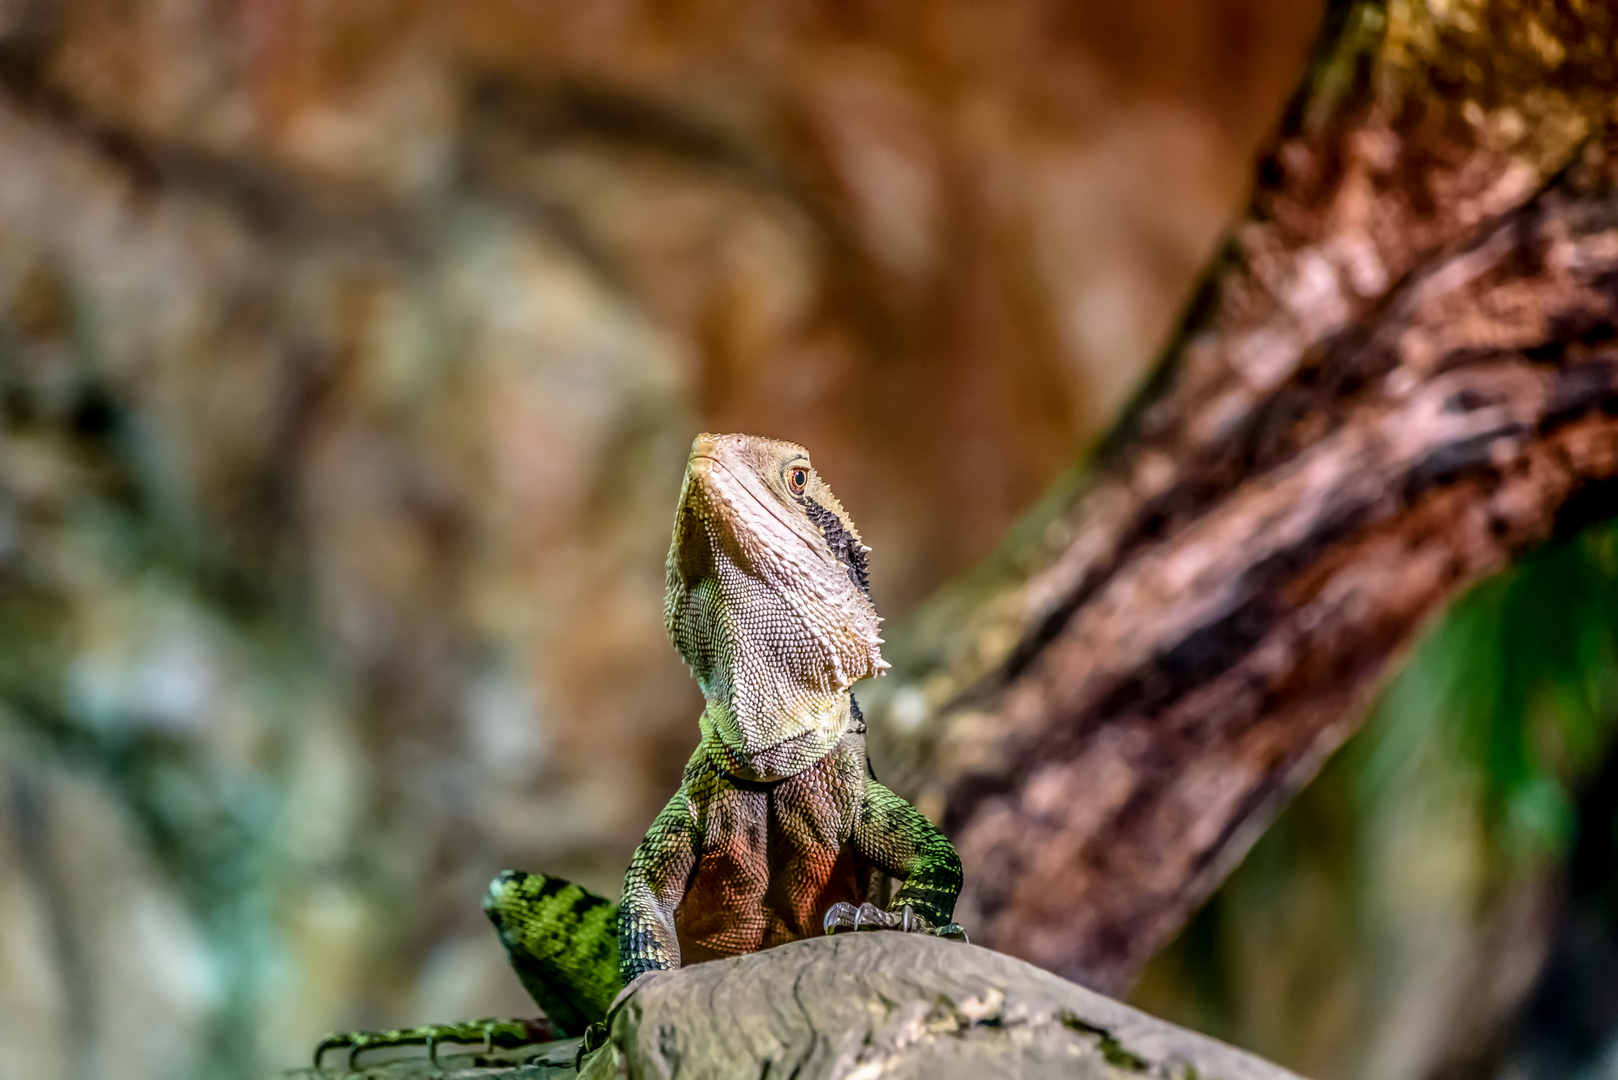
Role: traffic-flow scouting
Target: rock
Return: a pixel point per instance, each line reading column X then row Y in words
column 862, row 1006
column 859, row 1007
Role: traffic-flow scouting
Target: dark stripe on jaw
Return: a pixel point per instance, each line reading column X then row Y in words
column 842, row 543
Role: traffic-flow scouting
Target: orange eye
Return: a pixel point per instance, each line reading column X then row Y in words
column 797, row 479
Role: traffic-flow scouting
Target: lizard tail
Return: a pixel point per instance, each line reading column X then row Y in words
column 563, row 943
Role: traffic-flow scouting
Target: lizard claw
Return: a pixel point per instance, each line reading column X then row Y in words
column 839, row 915
column 330, row 1042
column 845, row 916
column 871, row 917
column 914, row 923
column 595, row 1037
column 492, row 1033
column 356, row 1042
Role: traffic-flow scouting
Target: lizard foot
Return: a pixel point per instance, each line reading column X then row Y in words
column 595, row 1037
column 845, row 916
column 492, row 1033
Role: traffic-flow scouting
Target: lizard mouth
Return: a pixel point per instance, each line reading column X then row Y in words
column 766, row 507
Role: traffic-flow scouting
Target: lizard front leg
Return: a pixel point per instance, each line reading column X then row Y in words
column 654, row 885
column 903, row 844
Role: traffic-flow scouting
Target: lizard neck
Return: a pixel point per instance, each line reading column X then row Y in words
column 792, row 739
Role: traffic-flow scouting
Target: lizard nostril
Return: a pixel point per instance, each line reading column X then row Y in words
column 497, row 887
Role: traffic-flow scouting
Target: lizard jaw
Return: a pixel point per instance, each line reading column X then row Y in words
column 774, row 626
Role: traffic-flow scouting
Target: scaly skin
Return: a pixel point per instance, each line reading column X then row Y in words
column 779, row 829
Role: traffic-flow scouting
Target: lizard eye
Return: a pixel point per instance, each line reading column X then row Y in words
column 797, row 479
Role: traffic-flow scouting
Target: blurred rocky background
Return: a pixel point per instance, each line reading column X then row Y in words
column 349, row 353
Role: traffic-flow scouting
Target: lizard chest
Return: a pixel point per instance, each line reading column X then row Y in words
column 773, row 858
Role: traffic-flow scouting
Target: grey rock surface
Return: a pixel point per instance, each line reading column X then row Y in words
column 862, row 1006
column 859, row 1007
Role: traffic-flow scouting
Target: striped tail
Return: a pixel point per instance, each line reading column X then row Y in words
column 563, row 944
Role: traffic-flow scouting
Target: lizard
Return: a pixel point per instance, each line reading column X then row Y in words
column 779, row 828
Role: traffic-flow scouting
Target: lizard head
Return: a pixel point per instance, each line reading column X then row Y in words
column 768, row 599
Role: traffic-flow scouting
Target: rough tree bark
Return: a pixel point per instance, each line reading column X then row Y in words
column 1400, row 372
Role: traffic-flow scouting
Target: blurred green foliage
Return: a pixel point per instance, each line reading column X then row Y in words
column 1395, row 916
column 1519, row 682
column 115, row 529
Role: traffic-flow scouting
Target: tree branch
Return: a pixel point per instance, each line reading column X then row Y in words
column 1400, row 372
